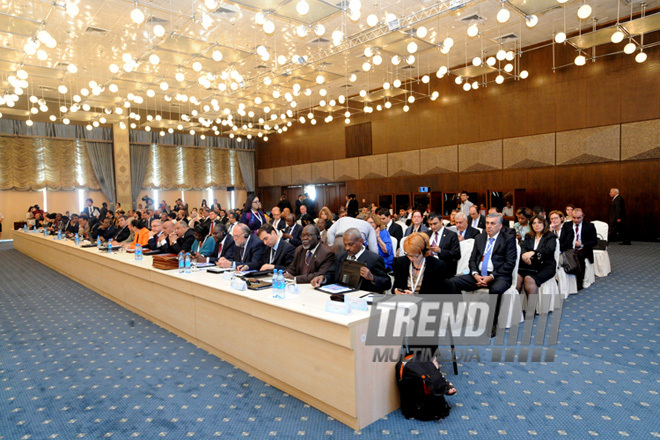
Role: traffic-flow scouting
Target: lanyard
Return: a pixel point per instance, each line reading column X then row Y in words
column 245, row 249
column 419, row 275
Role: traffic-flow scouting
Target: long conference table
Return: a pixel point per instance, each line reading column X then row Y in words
column 293, row 344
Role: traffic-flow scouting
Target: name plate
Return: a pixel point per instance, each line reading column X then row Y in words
column 226, row 275
column 356, row 303
column 340, row 308
column 239, row 284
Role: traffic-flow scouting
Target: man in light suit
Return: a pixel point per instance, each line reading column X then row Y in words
column 492, row 262
column 476, row 220
column 312, row 258
column 249, row 249
column 444, row 243
column 580, row 235
column 373, row 276
column 463, row 230
column 618, row 221
column 279, row 253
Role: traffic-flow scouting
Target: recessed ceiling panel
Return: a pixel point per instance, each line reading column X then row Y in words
column 401, row 47
column 379, row 94
column 11, row 55
column 44, row 72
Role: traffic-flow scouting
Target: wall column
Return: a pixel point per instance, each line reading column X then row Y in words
column 122, row 158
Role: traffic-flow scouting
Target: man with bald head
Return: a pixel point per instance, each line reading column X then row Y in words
column 182, row 238
column 157, row 235
column 312, row 258
column 277, row 222
column 373, row 275
column 248, row 251
column 293, row 231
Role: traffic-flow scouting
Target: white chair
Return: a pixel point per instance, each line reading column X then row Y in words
column 602, row 266
column 480, row 230
column 466, row 250
column 589, row 274
column 395, row 242
column 401, row 252
column 566, row 283
column 445, row 222
column 548, row 297
column 402, row 224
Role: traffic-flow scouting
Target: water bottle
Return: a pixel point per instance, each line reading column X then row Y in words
column 182, row 262
column 280, row 284
column 98, row 244
column 45, row 232
column 276, row 284
column 109, row 247
column 292, row 288
column 188, row 269
column 25, row 228
column 77, row 239
column 138, row 252
column 59, row 234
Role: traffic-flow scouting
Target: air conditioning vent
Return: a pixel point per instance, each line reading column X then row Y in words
column 506, row 38
column 261, row 66
column 95, row 30
column 154, row 19
column 320, row 40
column 324, row 64
column 472, row 18
column 61, row 65
column 226, row 9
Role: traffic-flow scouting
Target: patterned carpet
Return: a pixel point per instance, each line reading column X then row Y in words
column 75, row 365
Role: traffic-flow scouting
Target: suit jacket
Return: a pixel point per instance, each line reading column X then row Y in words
column 215, row 224
column 183, row 243
column 295, row 236
column 503, row 255
column 470, row 232
column 589, row 238
column 283, row 255
column 435, row 276
column 250, row 253
column 546, row 248
column 396, row 231
column 280, row 225
column 352, row 209
column 482, row 222
column 322, row 263
column 228, row 249
column 409, row 230
column 121, row 234
column 450, row 249
column 153, row 242
column 617, row 211
column 375, row 264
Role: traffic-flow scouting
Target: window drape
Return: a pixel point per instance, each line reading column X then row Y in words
column 246, row 163
column 100, row 155
column 139, row 164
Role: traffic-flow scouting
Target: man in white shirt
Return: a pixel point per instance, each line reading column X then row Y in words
column 465, row 204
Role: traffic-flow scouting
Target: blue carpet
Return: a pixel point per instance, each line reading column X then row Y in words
column 75, row 365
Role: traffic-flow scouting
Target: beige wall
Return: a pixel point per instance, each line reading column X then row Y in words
column 14, row 204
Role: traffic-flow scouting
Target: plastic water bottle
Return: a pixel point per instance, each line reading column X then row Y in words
column 188, row 268
column 45, row 232
column 25, row 228
column 59, row 235
column 98, row 244
column 276, row 284
column 109, row 247
column 182, row 263
column 138, row 252
column 280, row 285
column 77, row 239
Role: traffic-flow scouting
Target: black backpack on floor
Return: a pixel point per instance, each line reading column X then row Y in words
column 422, row 387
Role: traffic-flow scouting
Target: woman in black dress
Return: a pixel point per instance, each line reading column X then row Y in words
column 537, row 256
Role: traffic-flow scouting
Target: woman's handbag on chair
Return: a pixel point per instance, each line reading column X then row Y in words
column 570, row 262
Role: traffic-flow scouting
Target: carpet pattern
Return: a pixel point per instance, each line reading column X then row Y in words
column 75, row 365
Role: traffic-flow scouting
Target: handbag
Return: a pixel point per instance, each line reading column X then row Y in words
column 569, row 262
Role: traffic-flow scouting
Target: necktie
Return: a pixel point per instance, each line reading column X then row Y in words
column 435, row 239
column 484, row 263
column 308, row 260
column 219, row 249
column 577, row 232
column 212, row 225
column 462, row 233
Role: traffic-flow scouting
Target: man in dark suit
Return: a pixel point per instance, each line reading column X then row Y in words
column 352, row 206
column 284, row 203
column 444, row 243
column 212, row 221
column 249, row 249
column 157, row 237
column 580, row 235
column 393, row 228
column 373, row 276
column 224, row 246
column 292, row 232
column 299, row 203
column 492, row 262
column 476, row 220
column 279, row 253
column 463, row 230
column 618, row 221
column 310, row 205
column 182, row 239
column 277, row 221
column 312, row 258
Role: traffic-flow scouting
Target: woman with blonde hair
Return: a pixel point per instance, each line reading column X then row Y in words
column 385, row 248
column 326, row 215
column 419, row 271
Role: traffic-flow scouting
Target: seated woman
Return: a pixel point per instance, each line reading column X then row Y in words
column 253, row 216
column 306, row 219
column 204, row 243
column 537, row 258
column 417, row 224
column 522, row 225
column 384, row 240
column 556, row 222
column 421, row 273
column 452, row 218
column 139, row 231
column 326, row 214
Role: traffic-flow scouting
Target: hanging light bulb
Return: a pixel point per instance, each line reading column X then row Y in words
column 71, row 9
column 531, row 21
column 524, row 74
column 372, row 20
column 154, row 59
column 62, row 89
column 473, row 30
column 421, row 32
column 641, row 56
column 269, row 27
column 319, row 30
column 629, row 48
column 412, row 47
column 302, row 7
column 377, row 59
column 366, row 67
column 368, row 51
column 396, row 83
column 617, row 37
column 580, row 60
column 320, row 79
column 159, row 30
column 260, row 18
column 448, row 43
column 337, row 37
column 476, row 61
column 503, row 15
column 491, row 61
column 72, row 68
column 396, row 60
column 560, row 37
column 137, row 16
column 197, row 66
column 499, row 79
column 584, row 12
column 301, row 31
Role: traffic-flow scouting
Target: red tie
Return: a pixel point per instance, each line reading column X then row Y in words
column 219, row 250
column 211, row 231
column 577, row 235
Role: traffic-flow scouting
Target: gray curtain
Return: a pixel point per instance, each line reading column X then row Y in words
column 139, row 163
column 100, row 154
column 246, row 163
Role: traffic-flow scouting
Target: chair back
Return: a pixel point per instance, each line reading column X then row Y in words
column 395, row 242
column 466, row 250
column 602, row 229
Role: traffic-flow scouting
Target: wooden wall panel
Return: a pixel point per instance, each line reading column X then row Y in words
column 282, row 176
column 346, row 169
column 358, row 139
column 301, row 174
column 265, row 177
column 438, row 160
column 403, row 164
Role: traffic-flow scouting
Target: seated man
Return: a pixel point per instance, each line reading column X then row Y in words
column 279, row 253
column 123, row 234
column 360, row 223
column 278, row 222
column 463, row 230
column 374, row 277
column 105, row 230
column 162, row 242
column 232, row 220
column 492, row 262
column 393, row 228
column 444, row 243
column 292, row 232
column 249, row 250
column 157, row 235
column 224, row 246
column 72, row 226
column 182, row 238
column 580, row 235
column 84, row 228
column 311, row 259
column 476, row 219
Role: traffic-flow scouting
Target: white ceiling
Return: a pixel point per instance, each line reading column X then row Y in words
column 103, row 31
